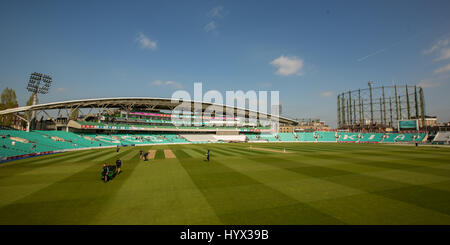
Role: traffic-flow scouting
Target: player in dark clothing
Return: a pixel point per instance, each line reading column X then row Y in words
column 117, row 150
column 118, row 165
column 145, row 156
column 207, row 156
column 105, row 172
column 140, row 154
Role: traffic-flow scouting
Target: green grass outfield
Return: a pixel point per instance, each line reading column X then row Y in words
column 322, row 183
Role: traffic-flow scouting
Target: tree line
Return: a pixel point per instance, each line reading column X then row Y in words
column 9, row 100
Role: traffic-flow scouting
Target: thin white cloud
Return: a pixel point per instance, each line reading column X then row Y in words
column 327, row 94
column 428, row 84
column 157, row 83
column 60, row 90
column 372, row 54
column 166, row 83
column 174, row 84
column 387, row 48
column 211, row 26
column 216, row 12
column 438, row 45
column 146, row 42
column 443, row 69
column 444, row 55
column 288, row 65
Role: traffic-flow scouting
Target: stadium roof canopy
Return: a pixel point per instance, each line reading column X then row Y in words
column 141, row 103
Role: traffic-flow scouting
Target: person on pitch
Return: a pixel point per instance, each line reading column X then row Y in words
column 118, row 165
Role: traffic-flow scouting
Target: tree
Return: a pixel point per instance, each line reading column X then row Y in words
column 8, row 100
column 30, row 102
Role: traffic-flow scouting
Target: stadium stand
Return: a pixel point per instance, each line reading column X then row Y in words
column 442, row 137
column 73, row 138
column 199, row 138
column 174, row 138
column 287, row 137
column 19, row 143
column 326, row 136
column 253, row 137
column 371, row 137
column 348, row 137
column 306, row 137
column 269, row 137
column 230, row 138
column 403, row 137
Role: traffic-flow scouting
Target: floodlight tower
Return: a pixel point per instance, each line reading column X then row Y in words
column 38, row 84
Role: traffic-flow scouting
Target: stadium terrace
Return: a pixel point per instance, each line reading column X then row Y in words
column 115, row 122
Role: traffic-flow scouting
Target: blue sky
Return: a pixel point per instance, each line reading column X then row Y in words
column 308, row 50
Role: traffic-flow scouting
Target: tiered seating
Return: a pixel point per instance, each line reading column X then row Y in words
column 7, row 149
column 79, row 141
column 268, row 137
column 403, row 137
column 306, row 137
column 289, row 137
column 14, row 142
column 175, row 138
column 253, row 137
column 324, row 136
column 371, row 137
column 229, row 138
column 154, row 139
column 348, row 137
column 420, row 137
column 199, row 138
column 442, row 137
column 102, row 139
column 42, row 143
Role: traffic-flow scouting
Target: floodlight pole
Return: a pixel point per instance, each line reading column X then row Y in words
column 35, row 89
column 33, row 113
column 34, row 102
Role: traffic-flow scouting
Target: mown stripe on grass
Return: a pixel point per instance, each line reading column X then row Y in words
column 298, row 186
column 44, row 159
column 113, row 155
column 32, row 166
column 221, row 151
column 246, row 151
column 193, row 153
column 235, row 198
column 203, row 150
column 434, row 199
column 130, row 155
column 345, row 178
column 170, row 198
column 159, row 154
column 181, row 153
column 91, row 157
column 71, row 200
column 279, row 162
column 200, row 152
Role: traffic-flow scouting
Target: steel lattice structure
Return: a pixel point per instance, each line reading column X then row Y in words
column 379, row 107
